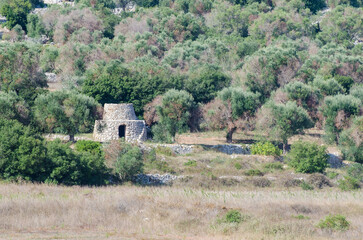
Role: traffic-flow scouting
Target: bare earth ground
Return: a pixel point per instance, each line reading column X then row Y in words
column 129, row 212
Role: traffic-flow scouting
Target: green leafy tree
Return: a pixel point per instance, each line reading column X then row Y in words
column 35, row 27
column 357, row 91
column 65, row 112
column 20, row 71
column 13, row 107
column 114, row 83
column 231, row 110
column 22, row 152
column 65, row 164
column 315, row 5
column 328, row 87
column 175, row 112
column 272, row 67
column 306, row 157
column 92, row 159
column 204, row 83
column 346, row 82
column 240, row 105
column 284, row 120
column 338, row 111
column 341, row 25
column 351, row 141
column 16, row 12
column 129, row 162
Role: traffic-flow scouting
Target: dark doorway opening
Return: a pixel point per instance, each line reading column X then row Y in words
column 122, row 131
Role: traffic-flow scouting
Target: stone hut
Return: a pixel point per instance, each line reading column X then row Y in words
column 119, row 121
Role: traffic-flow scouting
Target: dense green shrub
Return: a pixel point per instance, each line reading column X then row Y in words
column 356, row 171
column 16, row 12
column 306, row 186
column 253, row 172
column 357, row 91
column 269, row 167
column 233, row 216
column 306, row 157
column 65, row 166
column 341, row 25
column 348, row 183
column 22, row 152
column 334, row 222
column 129, row 162
column 332, row 175
column 88, row 146
column 13, row 107
column 315, row 5
column 94, row 170
column 346, row 81
column 204, row 83
column 266, row 149
column 350, row 141
column 35, row 27
column 328, row 87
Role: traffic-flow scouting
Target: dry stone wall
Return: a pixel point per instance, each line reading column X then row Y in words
column 115, row 112
column 105, row 131
column 116, row 116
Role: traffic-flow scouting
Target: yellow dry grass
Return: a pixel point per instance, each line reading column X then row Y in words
column 31, row 211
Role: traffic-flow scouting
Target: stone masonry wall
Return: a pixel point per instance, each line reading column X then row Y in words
column 115, row 112
column 109, row 130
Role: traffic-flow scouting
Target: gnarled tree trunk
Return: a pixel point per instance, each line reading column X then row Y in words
column 230, row 134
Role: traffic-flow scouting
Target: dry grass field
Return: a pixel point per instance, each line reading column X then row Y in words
column 29, row 211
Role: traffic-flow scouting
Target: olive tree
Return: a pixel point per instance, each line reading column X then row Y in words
column 174, row 112
column 338, row 111
column 230, row 110
column 65, row 112
column 16, row 12
column 284, row 120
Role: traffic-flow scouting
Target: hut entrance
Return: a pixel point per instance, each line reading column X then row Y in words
column 122, row 131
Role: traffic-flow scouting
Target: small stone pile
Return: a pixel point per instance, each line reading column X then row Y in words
column 154, row 179
column 232, row 149
column 180, row 149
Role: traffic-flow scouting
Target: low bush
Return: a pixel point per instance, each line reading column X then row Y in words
column 307, row 157
column 332, row 175
column 159, row 150
column 306, row 186
column 88, row 146
column 318, row 180
column 334, row 222
column 348, row 183
column 70, row 167
column 261, row 182
column 191, row 163
column 129, row 162
column 301, row 217
column 233, row 216
column 270, row 167
column 265, row 149
column 253, row 172
column 238, row 166
column 153, row 163
column 356, row 171
column 292, row 182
